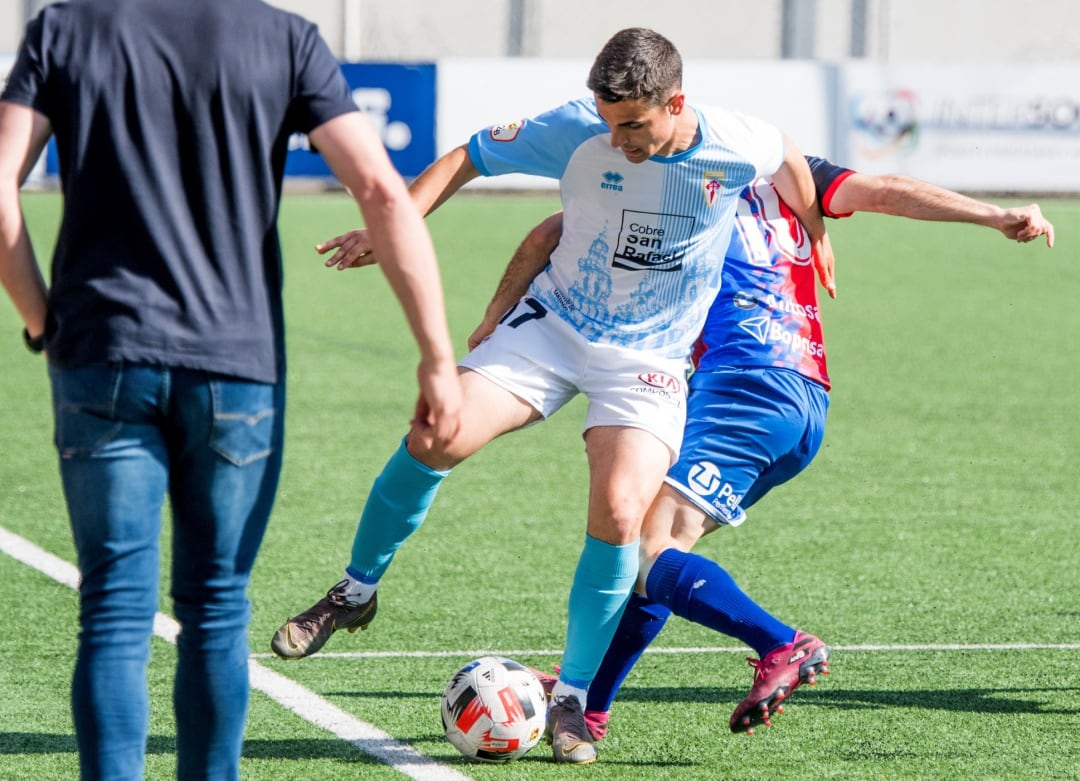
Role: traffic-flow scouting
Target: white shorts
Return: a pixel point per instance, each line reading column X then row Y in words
column 541, row 359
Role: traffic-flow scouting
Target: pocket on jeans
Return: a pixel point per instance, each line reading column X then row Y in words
column 84, row 406
column 245, row 420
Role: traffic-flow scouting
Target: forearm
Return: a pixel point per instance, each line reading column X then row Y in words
column 904, row 196
column 442, row 179
column 529, row 259
column 23, row 134
column 407, row 259
column 397, row 232
column 19, row 272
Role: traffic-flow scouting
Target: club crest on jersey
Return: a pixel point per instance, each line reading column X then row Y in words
column 712, row 184
column 507, row 132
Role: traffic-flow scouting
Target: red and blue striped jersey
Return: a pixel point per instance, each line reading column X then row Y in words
column 767, row 313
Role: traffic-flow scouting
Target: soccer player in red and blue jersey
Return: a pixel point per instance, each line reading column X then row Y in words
column 755, row 419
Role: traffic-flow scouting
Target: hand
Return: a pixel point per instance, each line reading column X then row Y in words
column 353, row 250
column 482, row 332
column 1026, row 223
column 825, row 264
column 437, row 418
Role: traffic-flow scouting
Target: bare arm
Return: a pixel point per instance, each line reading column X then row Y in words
column 429, row 190
column 905, row 196
column 443, row 178
column 529, row 259
column 23, row 134
column 407, row 259
column 795, row 184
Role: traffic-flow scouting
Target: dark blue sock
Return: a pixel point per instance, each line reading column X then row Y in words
column 640, row 624
column 702, row 591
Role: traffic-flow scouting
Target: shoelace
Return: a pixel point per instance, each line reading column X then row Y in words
column 758, row 665
column 336, row 597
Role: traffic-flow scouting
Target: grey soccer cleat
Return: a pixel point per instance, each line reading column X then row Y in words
column 568, row 733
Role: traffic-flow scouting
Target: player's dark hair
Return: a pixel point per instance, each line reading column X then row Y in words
column 636, row 63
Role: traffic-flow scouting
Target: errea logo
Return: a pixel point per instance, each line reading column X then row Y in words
column 612, row 181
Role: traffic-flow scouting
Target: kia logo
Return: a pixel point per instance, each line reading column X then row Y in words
column 660, row 380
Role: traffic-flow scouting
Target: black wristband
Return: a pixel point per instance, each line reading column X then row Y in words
column 34, row 344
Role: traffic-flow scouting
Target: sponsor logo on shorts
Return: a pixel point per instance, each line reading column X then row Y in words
column 706, row 480
column 507, row 132
column 661, row 380
column 661, row 385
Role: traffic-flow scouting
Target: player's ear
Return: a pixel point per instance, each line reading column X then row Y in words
column 677, row 102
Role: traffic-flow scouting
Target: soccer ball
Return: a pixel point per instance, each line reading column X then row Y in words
column 494, row 710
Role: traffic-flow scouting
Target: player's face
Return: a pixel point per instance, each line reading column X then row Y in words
column 640, row 130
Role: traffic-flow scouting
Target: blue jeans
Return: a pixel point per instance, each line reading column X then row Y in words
column 127, row 436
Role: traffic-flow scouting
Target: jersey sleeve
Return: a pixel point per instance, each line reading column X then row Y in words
column 541, row 146
column 321, row 92
column 759, row 141
column 827, row 177
column 26, row 81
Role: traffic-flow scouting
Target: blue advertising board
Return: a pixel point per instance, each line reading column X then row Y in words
column 399, row 100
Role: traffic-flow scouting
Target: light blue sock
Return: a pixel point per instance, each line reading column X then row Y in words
column 395, row 508
column 602, row 585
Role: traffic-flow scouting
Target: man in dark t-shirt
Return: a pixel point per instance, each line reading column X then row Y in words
column 163, row 324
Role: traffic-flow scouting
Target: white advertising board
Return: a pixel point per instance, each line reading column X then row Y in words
column 991, row 127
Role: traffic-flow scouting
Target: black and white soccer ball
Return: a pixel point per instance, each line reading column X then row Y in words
column 494, row 710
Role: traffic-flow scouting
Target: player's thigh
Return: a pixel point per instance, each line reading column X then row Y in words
column 626, row 469
column 488, row 410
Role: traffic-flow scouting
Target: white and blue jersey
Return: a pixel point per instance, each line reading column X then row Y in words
column 642, row 250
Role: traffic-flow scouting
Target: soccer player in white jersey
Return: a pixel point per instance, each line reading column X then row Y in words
column 649, row 187
column 755, row 419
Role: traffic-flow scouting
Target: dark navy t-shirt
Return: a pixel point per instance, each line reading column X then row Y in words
column 172, row 121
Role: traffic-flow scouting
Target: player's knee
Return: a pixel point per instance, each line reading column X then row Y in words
column 430, row 454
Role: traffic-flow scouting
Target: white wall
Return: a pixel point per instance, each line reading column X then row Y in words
column 897, row 30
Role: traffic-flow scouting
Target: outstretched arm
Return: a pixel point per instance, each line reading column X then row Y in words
column 795, row 184
column 429, row 190
column 529, row 259
column 402, row 244
column 23, row 133
column 905, row 196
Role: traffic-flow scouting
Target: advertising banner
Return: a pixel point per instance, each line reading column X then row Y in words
column 993, row 127
column 399, row 100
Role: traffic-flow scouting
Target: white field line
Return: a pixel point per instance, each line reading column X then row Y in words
column 513, row 653
column 291, row 695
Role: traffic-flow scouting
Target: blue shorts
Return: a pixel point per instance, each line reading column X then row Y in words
column 747, row 431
